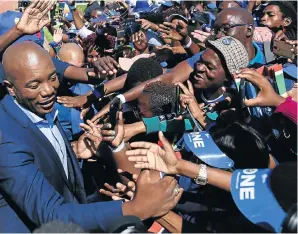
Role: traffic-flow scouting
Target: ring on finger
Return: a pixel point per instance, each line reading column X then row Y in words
column 176, row 190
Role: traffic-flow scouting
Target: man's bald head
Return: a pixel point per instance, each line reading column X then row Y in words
column 31, row 77
column 72, row 54
column 237, row 23
column 235, row 16
column 21, row 56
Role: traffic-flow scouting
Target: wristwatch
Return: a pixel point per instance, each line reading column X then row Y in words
column 202, row 178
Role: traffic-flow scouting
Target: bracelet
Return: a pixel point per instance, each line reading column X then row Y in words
column 122, row 98
column 56, row 46
column 152, row 124
column 119, row 148
column 188, row 44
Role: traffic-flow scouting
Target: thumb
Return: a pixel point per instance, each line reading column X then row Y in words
column 144, row 177
column 208, row 29
column 91, row 74
column 251, row 102
column 182, row 23
column 166, row 145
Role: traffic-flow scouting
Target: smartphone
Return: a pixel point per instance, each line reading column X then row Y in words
column 282, row 48
column 114, row 108
column 177, row 107
column 130, row 20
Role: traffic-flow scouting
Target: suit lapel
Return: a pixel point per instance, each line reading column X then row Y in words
column 75, row 174
column 41, row 139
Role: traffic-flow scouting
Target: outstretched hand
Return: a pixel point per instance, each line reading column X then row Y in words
column 35, row 16
column 172, row 31
column 152, row 156
column 88, row 143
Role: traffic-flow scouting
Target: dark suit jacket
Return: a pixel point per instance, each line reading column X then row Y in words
column 34, row 188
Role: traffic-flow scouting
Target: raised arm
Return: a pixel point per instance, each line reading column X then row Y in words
column 32, row 21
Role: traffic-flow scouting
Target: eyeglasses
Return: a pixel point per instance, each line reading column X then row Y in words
column 225, row 28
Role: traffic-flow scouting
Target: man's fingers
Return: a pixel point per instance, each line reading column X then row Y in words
column 121, row 187
column 33, row 4
column 190, row 87
column 85, row 127
column 104, row 66
column 170, row 25
column 142, row 166
column 92, row 137
column 141, row 144
column 137, row 152
column 114, row 62
column 182, row 23
column 183, row 87
column 111, row 188
column 107, row 193
column 84, row 112
column 65, row 100
column 142, row 159
column 164, row 28
column 202, row 33
column 252, row 102
column 178, row 196
column 166, row 144
column 249, row 77
column 94, row 128
column 69, row 105
column 107, row 133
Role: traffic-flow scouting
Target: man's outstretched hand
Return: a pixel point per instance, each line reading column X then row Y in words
column 35, row 16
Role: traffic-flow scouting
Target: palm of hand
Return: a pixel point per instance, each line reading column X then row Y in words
column 161, row 160
column 32, row 21
column 183, row 32
column 85, row 149
column 57, row 37
column 175, row 35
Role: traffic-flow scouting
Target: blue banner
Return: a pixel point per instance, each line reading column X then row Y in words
column 202, row 145
column 253, row 197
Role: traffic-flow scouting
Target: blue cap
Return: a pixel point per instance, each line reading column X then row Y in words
column 252, row 194
column 211, row 5
column 11, row 18
column 202, row 146
column 102, row 17
column 68, row 17
column 167, row 3
column 142, row 6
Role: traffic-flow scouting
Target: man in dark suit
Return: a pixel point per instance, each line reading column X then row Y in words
column 40, row 179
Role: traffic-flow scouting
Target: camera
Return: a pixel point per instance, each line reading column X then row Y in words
column 24, row 4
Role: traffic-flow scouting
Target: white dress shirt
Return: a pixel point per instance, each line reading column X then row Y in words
column 51, row 132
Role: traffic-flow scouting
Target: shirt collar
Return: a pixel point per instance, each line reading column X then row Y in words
column 50, row 117
column 259, row 57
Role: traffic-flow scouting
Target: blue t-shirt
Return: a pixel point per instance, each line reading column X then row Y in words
column 60, row 68
column 259, row 58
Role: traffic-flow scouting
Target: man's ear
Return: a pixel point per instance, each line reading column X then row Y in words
column 287, row 22
column 250, row 30
column 9, row 87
